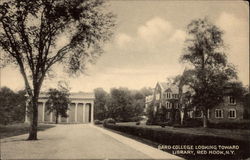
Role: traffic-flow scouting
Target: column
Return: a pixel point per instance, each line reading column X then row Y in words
column 83, row 113
column 76, row 112
column 51, row 116
column 68, row 113
column 92, row 112
column 43, row 112
column 208, row 113
column 59, row 119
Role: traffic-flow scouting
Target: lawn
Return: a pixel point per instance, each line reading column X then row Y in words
column 237, row 134
column 169, row 136
column 19, row 128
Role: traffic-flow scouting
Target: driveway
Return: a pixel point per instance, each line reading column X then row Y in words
column 78, row 141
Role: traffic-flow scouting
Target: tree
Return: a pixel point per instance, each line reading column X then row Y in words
column 12, row 106
column 101, row 98
column 121, row 103
column 146, row 91
column 138, row 103
column 125, row 105
column 31, row 34
column 58, row 102
column 204, row 50
column 181, row 81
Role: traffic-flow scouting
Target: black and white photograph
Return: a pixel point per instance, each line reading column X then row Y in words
column 124, row 79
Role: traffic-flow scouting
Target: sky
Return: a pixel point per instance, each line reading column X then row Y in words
column 148, row 41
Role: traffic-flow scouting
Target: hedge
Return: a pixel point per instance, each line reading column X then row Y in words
column 168, row 137
column 230, row 125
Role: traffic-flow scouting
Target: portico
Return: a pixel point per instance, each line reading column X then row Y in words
column 81, row 109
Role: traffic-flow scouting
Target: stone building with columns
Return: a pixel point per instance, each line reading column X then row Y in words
column 81, row 109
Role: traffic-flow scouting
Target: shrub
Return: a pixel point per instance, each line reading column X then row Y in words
column 98, row 122
column 193, row 122
column 137, row 123
column 149, row 122
column 108, row 121
column 230, row 125
column 169, row 137
column 135, row 119
column 163, row 124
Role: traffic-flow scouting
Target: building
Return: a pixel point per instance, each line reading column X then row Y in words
column 148, row 101
column 232, row 109
column 166, row 96
column 81, row 109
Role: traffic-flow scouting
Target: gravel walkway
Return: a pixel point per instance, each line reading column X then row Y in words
column 76, row 141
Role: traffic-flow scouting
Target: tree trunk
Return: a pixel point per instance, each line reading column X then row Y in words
column 172, row 118
column 56, row 117
column 182, row 116
column 34, row 119
column 180, row 102
column 204, row 119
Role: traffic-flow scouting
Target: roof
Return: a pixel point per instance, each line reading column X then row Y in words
column 74, row 95
column 165, row 86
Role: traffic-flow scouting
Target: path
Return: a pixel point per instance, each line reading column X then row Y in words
column 78, row 141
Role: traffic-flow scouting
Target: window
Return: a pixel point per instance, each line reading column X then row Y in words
column 218, row 113
column 168, row 95
column 168, row 105
column 232, row 100
column 157, row 96
column 232, row 113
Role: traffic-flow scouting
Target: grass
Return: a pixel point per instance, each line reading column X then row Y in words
column 139, row 139
column 154, row 135
column 19, row 129
column 236, row 134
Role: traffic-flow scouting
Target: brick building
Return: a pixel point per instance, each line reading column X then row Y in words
column 232, row 109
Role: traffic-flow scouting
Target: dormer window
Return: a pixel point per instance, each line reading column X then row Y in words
column 232, row 100
column 167, row 95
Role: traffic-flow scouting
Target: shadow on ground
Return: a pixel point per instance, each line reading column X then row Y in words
column 19, row 129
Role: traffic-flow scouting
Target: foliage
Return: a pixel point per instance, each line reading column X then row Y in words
column 96, row 122
column 150, row 114
column 101, row 98
column 211, row 70
column 146, row 91
column 184, row 99
column 175, row 136
column 12, row 106
column 108, row 121
column 58, row 102
column 121, row 104
column 231, row 125
column 246, row 104
column 31, row 34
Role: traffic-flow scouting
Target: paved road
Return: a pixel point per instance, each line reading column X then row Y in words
column 77, row 141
